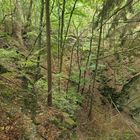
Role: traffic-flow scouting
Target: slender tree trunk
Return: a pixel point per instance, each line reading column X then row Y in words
column 90, row 51
column 70, row 67
column 61, row 40
column 67, row 30
column 62, row 32
column 37, row 71
column 58, row 43
column 59, row 31
column 17, row 30
column 48, row 39
column 71, row 61
column 40, row 39
column 79, row 67
column 29, row 14
column 96, row 67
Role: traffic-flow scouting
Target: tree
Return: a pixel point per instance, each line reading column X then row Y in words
column 48, row 39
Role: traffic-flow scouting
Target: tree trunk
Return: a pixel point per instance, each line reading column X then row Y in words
column 48, row 39
column 18, row 25
column 29, row 20
column 40, row 40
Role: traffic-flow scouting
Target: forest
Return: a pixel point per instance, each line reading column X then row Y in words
column 69, row 69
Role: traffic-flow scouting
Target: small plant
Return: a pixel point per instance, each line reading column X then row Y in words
column 67, row 102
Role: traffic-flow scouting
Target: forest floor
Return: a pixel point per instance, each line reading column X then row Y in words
column 107, row 123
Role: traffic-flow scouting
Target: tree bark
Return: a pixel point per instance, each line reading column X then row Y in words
column 48, row 39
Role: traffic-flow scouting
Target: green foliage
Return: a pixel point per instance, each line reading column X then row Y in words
column 128, row 136
column 65, row 122
column 6, row 94
column 31, row 34
column 30, row 105
column 42, row 85
column 67, row 102
column 28, row 70
column 8, row 54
